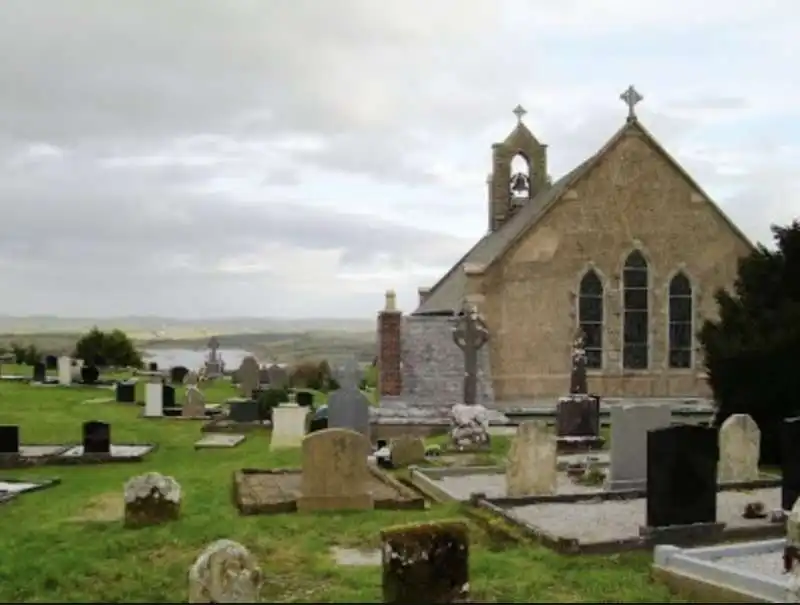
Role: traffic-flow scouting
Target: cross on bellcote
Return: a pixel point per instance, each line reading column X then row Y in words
column 520, row 112
column 631, row 97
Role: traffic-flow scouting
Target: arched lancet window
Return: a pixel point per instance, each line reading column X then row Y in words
column 680, row 322
column 636, row 313
column 590, row 318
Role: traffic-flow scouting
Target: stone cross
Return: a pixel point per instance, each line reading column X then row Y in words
column 577, row 377
column 520, row 112
column 213, row 346
column 631, row 97
column 470, row 334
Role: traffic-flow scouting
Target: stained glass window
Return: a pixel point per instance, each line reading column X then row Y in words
column 590, row 318
column 636, row 313
column 680, row 322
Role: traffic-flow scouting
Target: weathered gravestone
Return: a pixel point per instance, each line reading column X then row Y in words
column 790, row 466
column 51, row 362
column 89, row 374
column 154, row 398
column 278, row 376
column 578, row 416
column 305, row 399
column 629, row 427
column 39, row 372
column 151, row 499
column 194, row 404
column 406, row 450
column 288, row 426
column 335, row 475
column 126, row 392
column 426, row 563
column 177, row 374
column 739, row 449
column 248, row 376
column 682, row 475
column 348, row 407
column 470, row 334
column 96, row 437
column 531, row 467
column 225, row 572
column 64, row 367
column 9, row 439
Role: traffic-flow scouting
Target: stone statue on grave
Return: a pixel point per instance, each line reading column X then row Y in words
column 469, row 427
column 470, row 334
column 577, row 380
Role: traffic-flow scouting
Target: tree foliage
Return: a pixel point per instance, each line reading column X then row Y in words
column 314, row 375
column 751, row 350
column 26, row 355
column 112, row 348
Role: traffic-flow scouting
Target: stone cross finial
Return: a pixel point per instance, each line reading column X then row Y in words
column 520, row 112
column 631, row 97
column 577, row 379
column 470, row 334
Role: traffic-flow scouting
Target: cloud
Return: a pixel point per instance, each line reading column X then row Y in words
column 210, row 157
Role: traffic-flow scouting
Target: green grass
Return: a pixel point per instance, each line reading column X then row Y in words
column 67, row 544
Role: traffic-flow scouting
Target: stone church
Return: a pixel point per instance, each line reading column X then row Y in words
column 626, row 248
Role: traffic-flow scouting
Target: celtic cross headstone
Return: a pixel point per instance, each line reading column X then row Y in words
column 470, row 334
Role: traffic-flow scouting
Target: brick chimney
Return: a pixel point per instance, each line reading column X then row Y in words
column 423, row 294
column 390, row 380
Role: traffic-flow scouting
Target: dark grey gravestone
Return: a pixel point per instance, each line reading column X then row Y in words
column 9, row 439
column 39, row 372
column 305, row 399
column 348, row 407
column 278, row 377
column 578, row 416
column 243, row 410
column 96, row 437
column 682, row 475
column 168, row 395
column 578, row 384
column 89, row 374
column 51, row 362
column 152, row 366
column 790, row 465
column 470, row 334
column 177, row 374
column 126, row 392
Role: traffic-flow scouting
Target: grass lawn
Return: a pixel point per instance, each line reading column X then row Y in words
column 67, row 544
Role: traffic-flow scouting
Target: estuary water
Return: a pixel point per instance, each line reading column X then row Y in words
column 192, row 359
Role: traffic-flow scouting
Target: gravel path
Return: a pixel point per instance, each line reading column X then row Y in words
column 601, row 521
column 494, row 486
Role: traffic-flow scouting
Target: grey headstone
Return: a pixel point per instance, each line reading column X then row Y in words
column 349, row 375
column 243, row 410
column 629, row 426
column 349, row 409
column 278, row 376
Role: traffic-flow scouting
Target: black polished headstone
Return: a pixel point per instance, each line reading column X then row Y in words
column 9, row 439
column 244, row 410
column 177, row 374
column 51, row 362
column 96, row 437
column 152, row 366
column 126, row 392
column 681, row 475
column 89, row 374
column 790, row 465
column 39, row 372
column 168, row 396
column 319, row 420
column 305, row 399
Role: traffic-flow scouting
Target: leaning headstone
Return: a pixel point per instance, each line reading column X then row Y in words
column 177, row 374
column 629, row 427
column 64, row 367
column 578, row 416
column 151, row 499
column 9, row 439
column 225, row 572
column 39, row 372
column 426, row 563
column 406, row 450
column 739, row 449
column 348, row 407
column 305, row 399
column 154, row 398
column 96, row 437
column 288, row 426
column 335, row 474
column 531, row 468
column 126, row 392
column 682, row 475
column 248, row 376
column 790, row 463
column 89, row 374
column 194, row 404
column 278, row 376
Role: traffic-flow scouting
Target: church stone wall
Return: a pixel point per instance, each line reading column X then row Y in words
column 633, row 198
column 433, row 366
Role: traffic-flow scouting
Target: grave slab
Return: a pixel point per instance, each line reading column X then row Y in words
column 116, row 451
column 36, row 451
column 24, row 486
column 218, row 441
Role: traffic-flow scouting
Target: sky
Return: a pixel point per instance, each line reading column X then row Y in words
column 297, row 158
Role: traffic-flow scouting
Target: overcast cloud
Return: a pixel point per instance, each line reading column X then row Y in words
column 296, row 158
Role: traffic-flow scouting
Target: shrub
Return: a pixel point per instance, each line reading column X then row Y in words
column 113, row 348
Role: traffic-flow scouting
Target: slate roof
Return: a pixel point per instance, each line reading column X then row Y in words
column 447, row 294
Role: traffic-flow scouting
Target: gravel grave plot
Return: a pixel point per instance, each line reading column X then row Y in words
column 607, row 520
column 767, row 564
column 494, row 485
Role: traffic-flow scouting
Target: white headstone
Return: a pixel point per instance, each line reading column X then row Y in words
column 629, row 427
column 65, row 370
column 288, row 426
column 531, row 468
column 739, row 449
column 153, row 399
